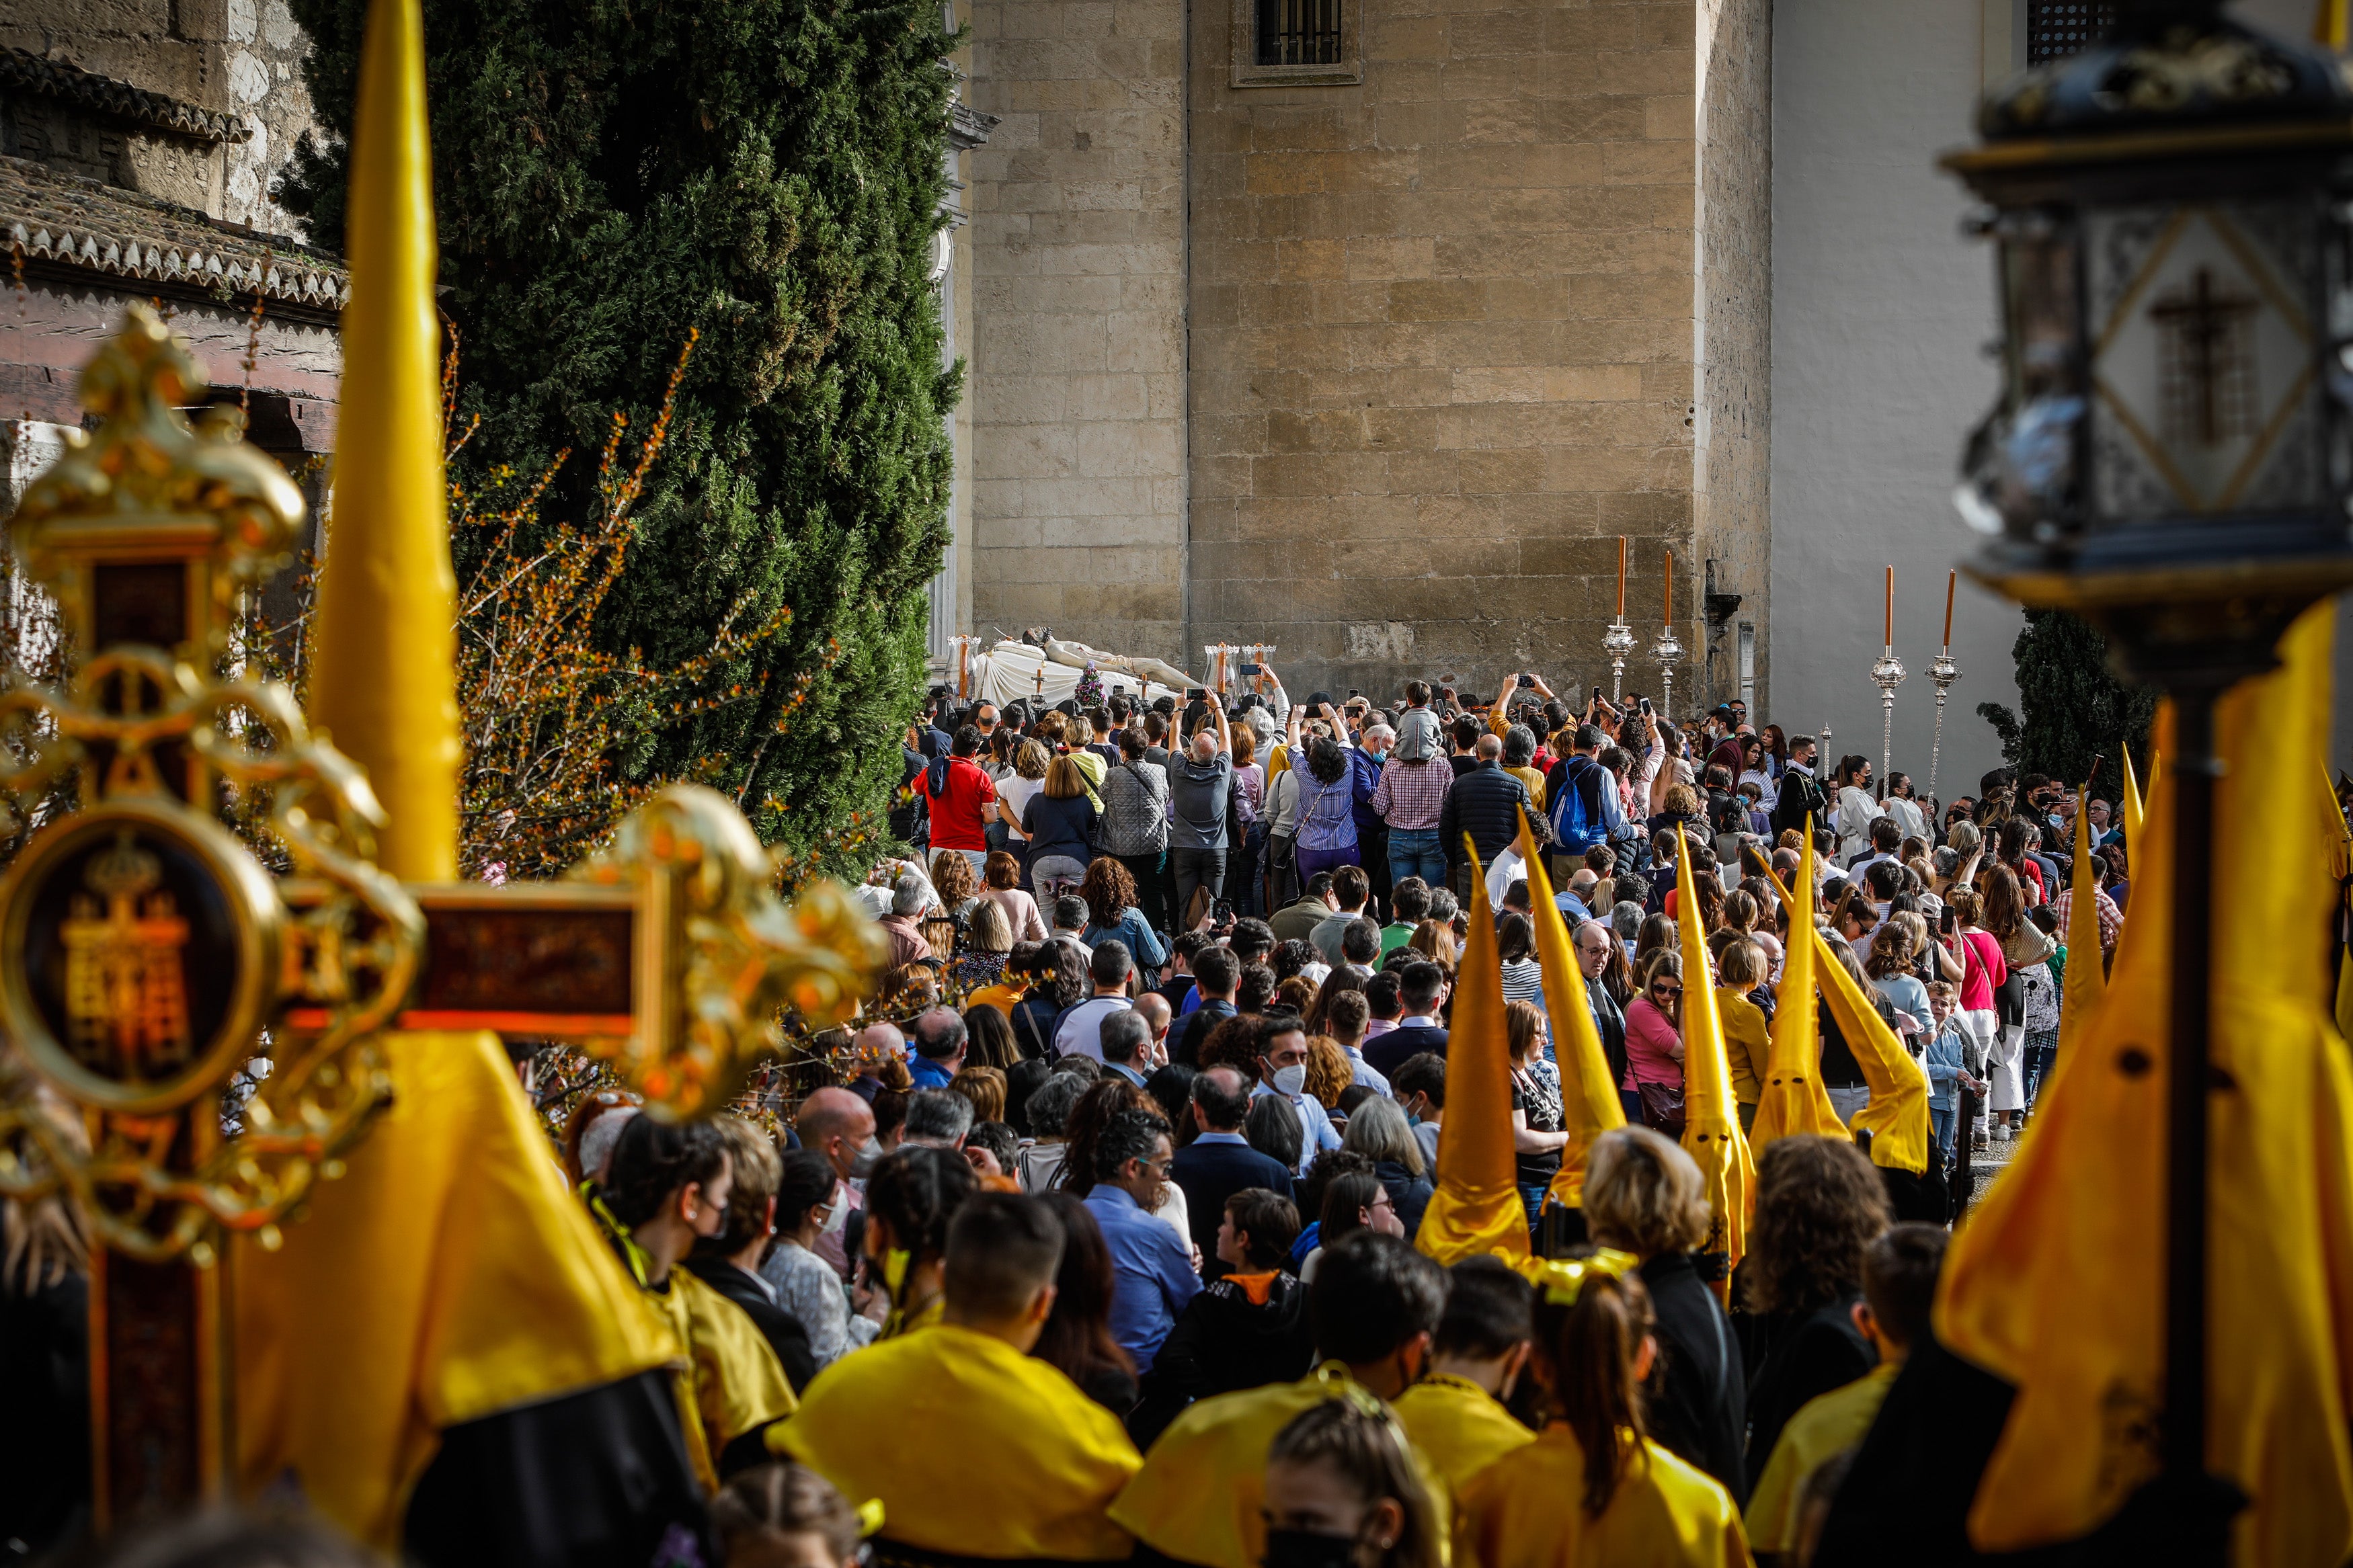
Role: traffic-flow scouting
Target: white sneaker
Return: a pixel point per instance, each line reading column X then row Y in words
column 2001, row 1132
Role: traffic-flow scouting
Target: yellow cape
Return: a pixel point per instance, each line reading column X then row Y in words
column 1460, row 1426
column 1202, row 1492
column 972, row 1447
column 1526, row 1510
column 446, row 1276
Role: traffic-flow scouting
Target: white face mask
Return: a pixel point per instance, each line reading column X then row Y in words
column 869, row 1155
column 1290, row 1080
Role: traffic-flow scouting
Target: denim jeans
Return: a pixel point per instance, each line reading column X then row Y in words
column 1415, row 852
column 1942, row 1124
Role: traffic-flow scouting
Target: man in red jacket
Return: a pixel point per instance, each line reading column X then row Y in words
column 959, row 794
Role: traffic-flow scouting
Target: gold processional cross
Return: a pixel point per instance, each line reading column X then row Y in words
column 147, row 957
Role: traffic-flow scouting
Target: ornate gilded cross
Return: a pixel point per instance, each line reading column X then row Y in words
column 148, row 960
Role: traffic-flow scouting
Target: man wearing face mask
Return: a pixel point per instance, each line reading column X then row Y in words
column 666, row 1188
column 837, row 1124
column 1282, row 1069
column 1201, row 1495
column 1456, row 1413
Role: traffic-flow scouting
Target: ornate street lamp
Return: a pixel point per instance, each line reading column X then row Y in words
column 2170, row 458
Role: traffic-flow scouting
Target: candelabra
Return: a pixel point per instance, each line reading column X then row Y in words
column 964, row 647
column 1943, row 672
column 1669, row 653
column 1220, row 656
column 1887, row 674
column 1618, row 642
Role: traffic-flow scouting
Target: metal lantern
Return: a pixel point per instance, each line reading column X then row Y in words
column 2170, row 458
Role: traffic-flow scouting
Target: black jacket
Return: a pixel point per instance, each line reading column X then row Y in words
column 1484, row 802
column 1610, row 1022
column 779, row 1328
column 1803, row 1355
column 1411, row 1193
column 1224, row 1342
column 1386, row 1053
column 1697, row 1407
column 1209, row 1174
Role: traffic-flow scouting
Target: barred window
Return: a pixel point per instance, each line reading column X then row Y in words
column 2058, row 28
column 1299, row 33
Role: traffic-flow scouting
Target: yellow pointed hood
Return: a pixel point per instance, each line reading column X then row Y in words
column 1588, row 1095
column 2088, row 977
column 1793, row 1100
column 1897, row 1116
column 1477, row 1210
column 1712, row 1134
column 384, row 663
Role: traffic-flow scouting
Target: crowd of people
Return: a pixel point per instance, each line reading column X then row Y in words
column 1103, row 1246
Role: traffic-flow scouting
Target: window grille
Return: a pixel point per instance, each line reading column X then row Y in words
column 1299, row 32
column 2058, row 28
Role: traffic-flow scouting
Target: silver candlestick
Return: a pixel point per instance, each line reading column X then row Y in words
column 1887, row 675
column 1943, row 672
column 1618, row 642
column 1669, row 653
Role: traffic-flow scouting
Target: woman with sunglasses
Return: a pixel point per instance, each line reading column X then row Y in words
column 1654, row 1045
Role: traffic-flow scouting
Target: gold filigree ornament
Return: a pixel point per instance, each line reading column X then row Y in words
column 144, row 951
column 718, row 954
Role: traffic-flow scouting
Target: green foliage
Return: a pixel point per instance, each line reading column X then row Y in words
column 612, row 176
column 2074, row 708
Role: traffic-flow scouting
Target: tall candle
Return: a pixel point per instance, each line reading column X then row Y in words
column 1622, row 576
column 1890, row 638
column 1950, row 578
column 1670, row 588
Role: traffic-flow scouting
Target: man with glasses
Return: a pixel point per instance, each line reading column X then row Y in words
column 1595, row 942
column 1152, row 1265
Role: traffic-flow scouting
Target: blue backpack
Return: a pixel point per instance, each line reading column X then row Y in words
column 1576, row 824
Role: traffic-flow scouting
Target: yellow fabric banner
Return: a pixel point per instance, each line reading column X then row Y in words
column 1712, row 1134
column 1477, row 1210
column 2072, row 1233
column 1794, row 1101
column 446, row 1276
column 383, row 669
column 1589, row 1096
column 2133, row 811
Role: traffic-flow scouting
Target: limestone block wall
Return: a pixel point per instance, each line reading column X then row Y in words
column 1732, row 465
column 1442, row 341
column 1078, row 337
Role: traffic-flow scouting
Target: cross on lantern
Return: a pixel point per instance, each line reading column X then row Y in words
column 2207, row 366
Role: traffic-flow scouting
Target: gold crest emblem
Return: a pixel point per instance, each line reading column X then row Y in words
column 126, row 995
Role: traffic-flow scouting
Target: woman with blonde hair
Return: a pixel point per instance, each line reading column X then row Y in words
column 1031, row 761
column 1061, row 820
column 1379, row 1131
column 1594, row 1487
column 1536, row 1135
column 1002, row 873
column 1748, row 1032
column 1645, row 1196
column 984, row 1088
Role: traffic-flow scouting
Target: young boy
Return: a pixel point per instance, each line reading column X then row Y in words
column 1948, row 1071
column 1899, row 1288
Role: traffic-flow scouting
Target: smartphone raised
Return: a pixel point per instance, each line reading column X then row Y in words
column 1526, row 681
column 1354, row 692
column 1253, row 671
column 1597, row 694
column 1644, row 704
column 1945, row 920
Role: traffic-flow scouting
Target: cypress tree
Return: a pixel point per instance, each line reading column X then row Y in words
column 609, row 175
column 2072, row 708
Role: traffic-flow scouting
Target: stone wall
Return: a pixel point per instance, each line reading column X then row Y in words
column 1442, row 341
column 240, row 57
column 1731, row 468
column 1078, row 342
